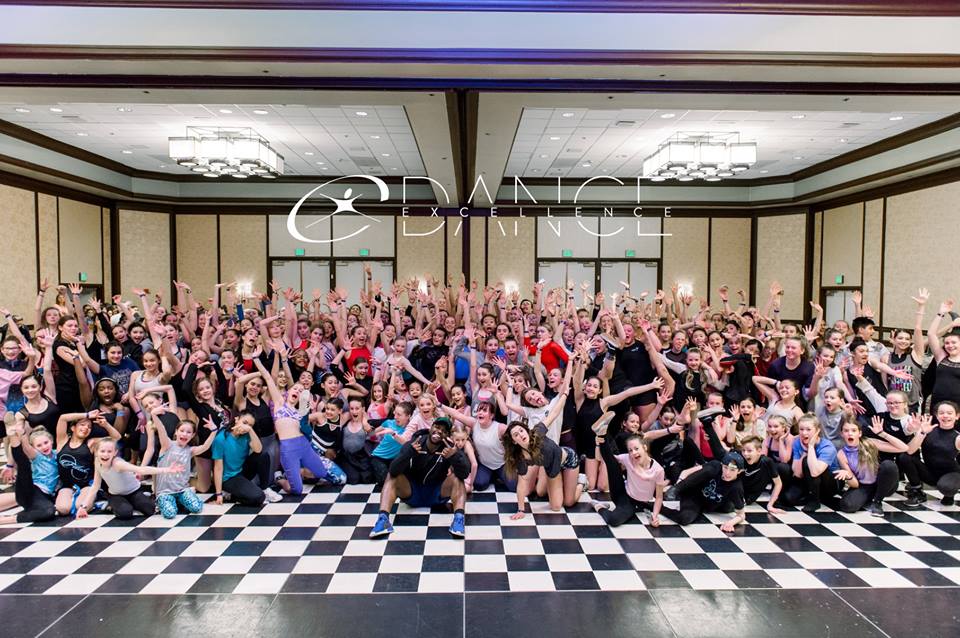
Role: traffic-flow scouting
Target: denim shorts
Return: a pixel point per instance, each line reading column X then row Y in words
column 572, row 461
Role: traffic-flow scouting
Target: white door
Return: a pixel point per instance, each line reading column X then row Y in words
column 556, row 274
column 643, row 277
column 350, row 277
column 287, row 274
column 382, row 271
column 315, row 275
column 839, row 305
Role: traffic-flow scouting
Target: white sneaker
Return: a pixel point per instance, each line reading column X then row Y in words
column 271, row 496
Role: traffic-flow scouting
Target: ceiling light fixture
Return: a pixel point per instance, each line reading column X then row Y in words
column 260, row 112
column 896, row 118
column 308, row 153
column 21, row 110
column 567, row 114
column 56, row 109
column 226, row 151
column 384, row 154
column 82, row 134
column 699, row 155
column 668, row 116
column 124, row 109
column 374, row 137
column 361, row 113
column 798, row 157
column 554, row 138
column 798, row 116
column 225, row 111
column 126, row 152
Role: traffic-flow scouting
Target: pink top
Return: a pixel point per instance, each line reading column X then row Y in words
column 641, row 483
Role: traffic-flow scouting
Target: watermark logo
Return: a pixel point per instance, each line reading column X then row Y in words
column 344, row 204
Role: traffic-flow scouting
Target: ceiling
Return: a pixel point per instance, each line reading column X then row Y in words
column 336, row 140
column 579, row 143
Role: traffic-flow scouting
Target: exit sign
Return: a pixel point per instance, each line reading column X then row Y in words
column 83, row 276
column 567, row 252
column 364, row 252
column 631, row 253
column 838, row 279
column 299, row 252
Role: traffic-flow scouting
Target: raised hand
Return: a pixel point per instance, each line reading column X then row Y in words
column 946, row 306
column 876, row 424
column 922, row 296
column 724, row 293
column 75, row 289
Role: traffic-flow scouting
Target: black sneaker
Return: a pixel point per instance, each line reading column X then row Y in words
column 948, row 500
column 875, row 509
column 915, row 497
column 810, row 507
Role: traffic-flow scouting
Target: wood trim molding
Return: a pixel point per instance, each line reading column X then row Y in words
column 802, row 7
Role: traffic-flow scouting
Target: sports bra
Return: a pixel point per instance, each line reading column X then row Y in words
column 286, row 412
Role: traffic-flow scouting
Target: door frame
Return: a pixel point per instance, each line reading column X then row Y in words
column 598, row 262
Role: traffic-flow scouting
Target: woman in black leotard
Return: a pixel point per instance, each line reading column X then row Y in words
column 68, row 367
column 207, row 401
column 939, row 445
column 946, row 387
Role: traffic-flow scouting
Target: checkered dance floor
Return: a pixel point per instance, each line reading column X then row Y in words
column 317, row 543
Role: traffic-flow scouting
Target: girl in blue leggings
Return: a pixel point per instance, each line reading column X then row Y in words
column 173, row 490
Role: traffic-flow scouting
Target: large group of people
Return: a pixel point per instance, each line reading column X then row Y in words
column 431, row 393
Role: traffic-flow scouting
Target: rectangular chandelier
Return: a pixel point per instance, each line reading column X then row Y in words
column 215, row 152
column 706, row 156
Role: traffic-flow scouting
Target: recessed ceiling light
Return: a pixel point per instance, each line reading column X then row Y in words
column 362, row 113
column 394, row 168
column 56, row 109
column 126, row 152
column 123, row 109
column 587, row 164
column 384, row 154
column 374, row 137
column 308, row 153
column 82, row 134
column 163, row 166
column 764, row 172
column 225, row 111
column 260, row 112
column 554, row 138
column 896, row 118
column 798, row 116
column 798, row 157
column 320, row 163
column 668, row 116
column 567, row 114
column 534, row 170
column 843, row 140
column 325, row 168
column 543, row 156
column 21, row 110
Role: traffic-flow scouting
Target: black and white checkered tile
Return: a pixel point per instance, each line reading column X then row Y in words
column 318, row 543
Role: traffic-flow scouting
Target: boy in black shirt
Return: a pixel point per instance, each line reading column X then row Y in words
column 714, row 487
column 759, row 471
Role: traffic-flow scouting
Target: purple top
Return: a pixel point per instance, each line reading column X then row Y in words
column 864, row 474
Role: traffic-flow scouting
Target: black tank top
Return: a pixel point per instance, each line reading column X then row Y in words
column 947, row 385
column 263, row 420
column 940, row 450
column 47, row 418
column 66, row 375
column 75, row 465
column 587, row 415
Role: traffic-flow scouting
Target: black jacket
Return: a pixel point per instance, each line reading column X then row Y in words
column 426, row 467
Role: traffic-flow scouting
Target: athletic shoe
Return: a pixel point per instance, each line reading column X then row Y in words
column 457, row 527
column 382, row 527
column 915, row 497
column 874, row 509
column 603, row 423
column 948, row 500
column 271, row 496
column 582, row 480
column 810, row 506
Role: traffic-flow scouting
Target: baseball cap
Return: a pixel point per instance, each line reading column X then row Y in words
column 733, row 458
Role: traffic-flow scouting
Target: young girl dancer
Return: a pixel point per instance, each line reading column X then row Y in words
column 36, row 484
column 526, row 451
column 75, row 458
column 643, row 487
column 866, row 479
column 173, row 490
column 125, row 492
column 939, row 445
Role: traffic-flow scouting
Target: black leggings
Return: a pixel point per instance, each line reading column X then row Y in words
column 854, row 499
column 812, row 489
column 241, row 487
column 124, row 505
column 689, row 456
column 626, row 506
column 38, row 506
column 356, row 466
column 380, row 468
column 947, row 479
column 691, row 499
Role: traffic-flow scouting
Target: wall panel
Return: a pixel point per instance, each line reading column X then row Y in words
column 780, row 256
column 145, row 252
column 510, row 253
column 18, row 246
column 920, row 251
column 418, row 257
column 685, row 253
column 454, row 232
column 817, row 254
column 729, row 256
column 197, row 253
column 49, row 245
column 80, row 240
column 842, row 245
column 872, row 250
column 478, row 249
column 243, row 250
column 107, row 253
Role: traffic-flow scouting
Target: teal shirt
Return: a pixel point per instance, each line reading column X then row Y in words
column 232, row 450
column 389, row 447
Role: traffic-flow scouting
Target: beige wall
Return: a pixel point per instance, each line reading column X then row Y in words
column 477, row 249
column 842, row 245
column 780, row 254
column 510, row 253
column 455, row 231
column 81, row 239
column 817, row 254
column 872, row 255
column 197, row 253
column 418, row 257
column 685, row 253
column 145, row 252
column 920, row 251
column 729, row 256
column 243, row 250
column 49, row 246
column 18, row 245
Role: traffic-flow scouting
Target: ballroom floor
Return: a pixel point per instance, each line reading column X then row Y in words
column 306, row 565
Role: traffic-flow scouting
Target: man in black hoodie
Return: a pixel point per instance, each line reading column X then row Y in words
column 420, row 475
